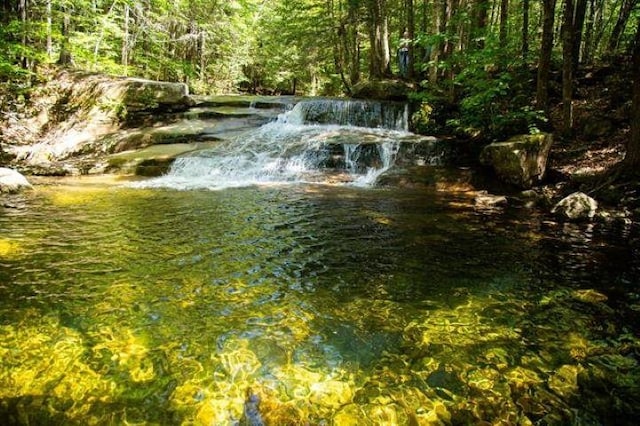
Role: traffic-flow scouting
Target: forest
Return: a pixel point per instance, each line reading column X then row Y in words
column 502, row 66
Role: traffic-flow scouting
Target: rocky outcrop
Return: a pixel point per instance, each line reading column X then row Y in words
column 521, row 160
column 11, row 181
column 78, row 110
column 576, row 207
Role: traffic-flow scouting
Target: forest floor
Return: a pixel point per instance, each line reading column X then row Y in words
column 590, row 159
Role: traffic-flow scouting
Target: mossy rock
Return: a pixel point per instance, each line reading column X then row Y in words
column 385, row 90
column 520, row 160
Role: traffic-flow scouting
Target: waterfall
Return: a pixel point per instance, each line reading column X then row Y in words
column 359, row 113
column 317, row 141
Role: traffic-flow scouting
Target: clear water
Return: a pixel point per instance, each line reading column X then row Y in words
column 310, row 304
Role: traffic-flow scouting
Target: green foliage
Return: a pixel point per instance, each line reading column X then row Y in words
column 316, row 45
column 432, row 113
column 496, row 98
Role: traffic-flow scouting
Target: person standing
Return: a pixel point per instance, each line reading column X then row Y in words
column 403, row 55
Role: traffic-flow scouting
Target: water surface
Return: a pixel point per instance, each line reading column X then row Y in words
column 331, row 304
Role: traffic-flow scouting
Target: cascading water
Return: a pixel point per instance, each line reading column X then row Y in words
column 318, row 141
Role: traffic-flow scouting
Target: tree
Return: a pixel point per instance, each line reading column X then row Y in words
column 380, row 58
column 623, row 16
column 504, row 16
column 525, row 29
column 411, row 30
column 632, row 158
column 65, row 58
column 578, row 25
column 567, row 67
column 544, row 61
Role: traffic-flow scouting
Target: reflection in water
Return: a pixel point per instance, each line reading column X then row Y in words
column 307, row 304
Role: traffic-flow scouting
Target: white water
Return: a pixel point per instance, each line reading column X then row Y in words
column 297, row 149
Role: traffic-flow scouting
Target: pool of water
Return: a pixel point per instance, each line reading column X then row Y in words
column 310, row 304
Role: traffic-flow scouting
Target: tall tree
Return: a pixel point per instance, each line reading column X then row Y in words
column 504, row 17
column 623, row 16
column 632, row 158
column 525, row 29
column 23, row 10
column 481, row 10
column 567, row 67
column 125, row 39
column 49, row 30
column 578, row 25
column 544, row 61
column 65, row 58
column 593, row 18
column 439, row 28
column 411, row 30
column 380, row 58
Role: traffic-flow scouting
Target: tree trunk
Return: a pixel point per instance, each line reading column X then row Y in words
column 125, row 40
column 525, row 29
column 479, row 29
column 49, row 31
column 7, row 10
column 380, row 61
column 450, row 9
column 625, row 12
column 544, row 61
column 22, row 9
column 203, row 53
column 578, row 24
column 599, row 26
column 440, row 24
column 589, row 39
column 567, row 67
column 504, row 16
column 632, row 158
column 352, row 43
column 65, row 58
column 411, row 29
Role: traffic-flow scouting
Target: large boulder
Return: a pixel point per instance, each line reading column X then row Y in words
column 521, row 160
column 576, row 207
column 11, row 181
column 150, row 95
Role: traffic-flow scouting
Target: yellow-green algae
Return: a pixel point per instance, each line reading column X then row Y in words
column 495, row 377
column 9, row 248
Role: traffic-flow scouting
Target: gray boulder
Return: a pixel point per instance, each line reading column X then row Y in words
column 11, row 181
column 521, row 160
column 576, row 207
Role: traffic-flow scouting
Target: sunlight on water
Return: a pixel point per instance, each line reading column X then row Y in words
column 308, row 305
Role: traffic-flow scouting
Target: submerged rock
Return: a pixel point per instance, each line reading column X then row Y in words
column 521, row 160
column 484, row 200
column 12, row 181
column 575, row 207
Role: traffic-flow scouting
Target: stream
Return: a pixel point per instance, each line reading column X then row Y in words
column 270, row 280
